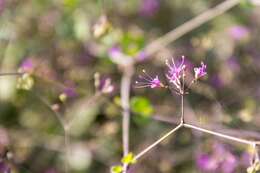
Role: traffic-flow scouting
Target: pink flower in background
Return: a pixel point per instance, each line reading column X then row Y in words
column 206, row 162
column 2, row 5
column 219, row 160
column 238, row 32
column 149, row 8
column 117, row 56
column 233, row 63
column 149, row 81
column 51, row 170
column 4, row 168
column 27, row 66
column 200, row 71
column 216, row 81
column 70, row 92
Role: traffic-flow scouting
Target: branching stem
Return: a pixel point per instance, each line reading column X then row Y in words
column 125, row 101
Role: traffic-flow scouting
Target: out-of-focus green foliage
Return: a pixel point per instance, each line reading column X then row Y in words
column 61, row 44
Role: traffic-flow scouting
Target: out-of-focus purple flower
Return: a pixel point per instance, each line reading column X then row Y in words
column 141, row 56
column 206, row 163
column 229, row 164
column 149, row 81
column 238, row 32
column 2, row 5
column 216, row 81
column 175, row 72
column 51, row 170
column 70, row 92
column 245, row 159
column 200, row 71
column 118, row 57
column 4, row 168
column 27, row 66
column 233, row 63
column 219, row 160
column 103, row 85
column 149, row 8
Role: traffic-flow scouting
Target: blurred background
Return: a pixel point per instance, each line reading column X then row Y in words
column 62, row 44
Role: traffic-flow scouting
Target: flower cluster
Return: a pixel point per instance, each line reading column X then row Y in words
column 175, row 76
column 220, row 160
column 149, row 81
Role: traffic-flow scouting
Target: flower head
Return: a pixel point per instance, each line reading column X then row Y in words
column 103, row 85
column 238, row 32
column 27, row 66
column 175, row 72
column 149, row 81
column 149, row 8
column 200, row 71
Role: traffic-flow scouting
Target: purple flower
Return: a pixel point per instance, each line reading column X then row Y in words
column 200, row 71
column 220, row 160
column 175, row 72
column 70, row 92
column 245, row 159
column 149, row 81
column 233, row 63
column 118, row 57
column 50, row 170
column 216, row 81
column 205, row 162
column 103, row 85
column 141, row 56
column 27, row 66
column 4, row 168
column 2, row 5
column 238, row 32
column 229, row 164
column 149, row 7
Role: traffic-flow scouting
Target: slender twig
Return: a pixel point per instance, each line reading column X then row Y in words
column 125, row 94
column 232, row 132
column 182, row 99
column 65, row 128
column 11, row 74
column 188, row 26
column 240, row 140
column 140, row 154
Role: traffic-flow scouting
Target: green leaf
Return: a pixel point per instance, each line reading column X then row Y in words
column 132, row 43
column 246, row 4
column 116, row 169
column 129, row 159
column 142, row 106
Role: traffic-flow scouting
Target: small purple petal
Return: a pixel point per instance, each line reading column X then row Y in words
column 175, row 71
column 200, row 71
column 206, row 163
column 70, row 92
column 238, row 32
column 27, row 65
column 148, row 81
column 149, row 8
column 229, row 164
column 233, row 63
column 2, row 5
column 216, row 81
column 141, row 56
column 4, row 168
column 245, row 159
